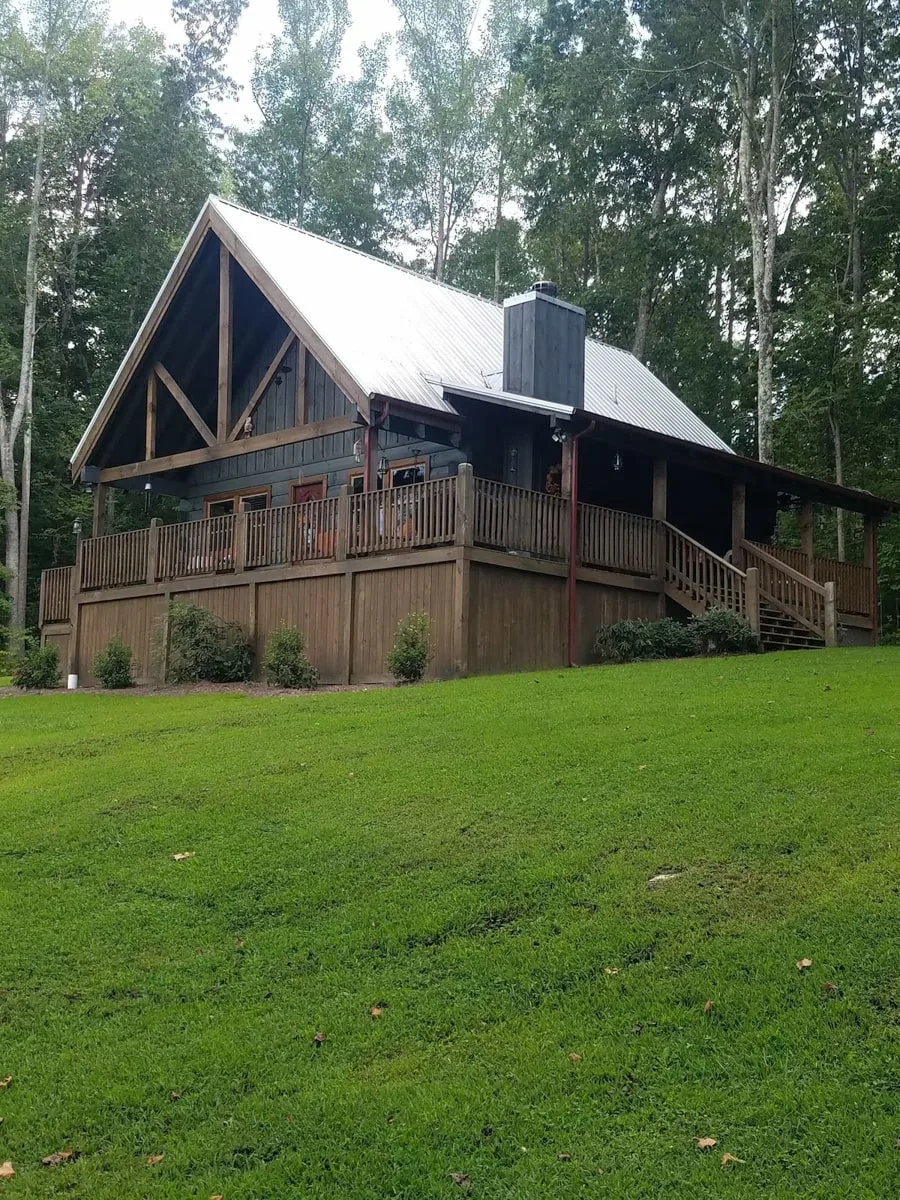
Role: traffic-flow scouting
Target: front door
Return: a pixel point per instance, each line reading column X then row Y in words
column 302, row 493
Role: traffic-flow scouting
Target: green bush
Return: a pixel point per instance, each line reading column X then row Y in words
column 411, row 651
column 39, row 668
column 112, row 666
column 204, row 649
column 721, row 632
column 286, row 665
column 632, row 641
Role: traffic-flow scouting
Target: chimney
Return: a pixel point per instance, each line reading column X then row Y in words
column 543, row 347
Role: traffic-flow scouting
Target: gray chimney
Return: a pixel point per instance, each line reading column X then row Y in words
column 543, row 347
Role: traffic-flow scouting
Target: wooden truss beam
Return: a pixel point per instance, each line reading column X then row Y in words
column 260, row 389
column 150, row 439
column 185, row 405
column 219, row 450
column 225, row 343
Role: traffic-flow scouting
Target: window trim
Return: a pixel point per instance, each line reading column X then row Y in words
column 321, row 480
column 237, row 496
column 402, row 464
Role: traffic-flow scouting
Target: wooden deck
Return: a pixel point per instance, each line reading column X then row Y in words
column 489, row 562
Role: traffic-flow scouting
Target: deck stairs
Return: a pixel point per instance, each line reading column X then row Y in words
column 788, row 610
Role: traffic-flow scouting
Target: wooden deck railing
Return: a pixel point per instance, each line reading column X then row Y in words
column 403, row 518
column 704, row 577
column 56, row 592
column 115, row 561
column 810, row 603
column 281, row 537
column 513, row 518
column 619, row 541
column 852, row 583
column 196, row 548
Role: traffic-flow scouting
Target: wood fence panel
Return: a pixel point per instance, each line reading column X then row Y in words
column 315, row 606
column 134, row 621
column 383, row 598
column 517, row 620
column 229, row 603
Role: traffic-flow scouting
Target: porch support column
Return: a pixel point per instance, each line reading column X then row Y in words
column 806, row 538
column 660, row 512
column 738, row 522
column 98, row 526
column 565, row 482
column 870, row 560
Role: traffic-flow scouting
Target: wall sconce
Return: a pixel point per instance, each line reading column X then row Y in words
column 76, row 527
column 558, row 435
column 617, row 462
column 358, row 450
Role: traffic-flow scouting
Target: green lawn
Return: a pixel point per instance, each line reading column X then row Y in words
column 472, row 858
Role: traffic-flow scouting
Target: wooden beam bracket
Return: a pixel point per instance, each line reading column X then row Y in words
column 260, row 389
column 184, row 404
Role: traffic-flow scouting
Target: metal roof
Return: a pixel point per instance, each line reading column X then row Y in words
column 394, row 330
column 397, row 332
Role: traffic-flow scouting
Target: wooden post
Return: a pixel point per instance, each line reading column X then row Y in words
column 75, row 611
column 342, row 538
column 301, row 384
column 239, row 549
column 224, row 386
column 150, row 430
column 465, row 505
column 98, row 523
column 565, row 483
column 753, row 598
column 153, row 551
column 870, row 560
column 660, row 512
column 738, row 522
column 806, row 538
column 831, row 625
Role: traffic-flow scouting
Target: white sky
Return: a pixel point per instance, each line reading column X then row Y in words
column 371, row 19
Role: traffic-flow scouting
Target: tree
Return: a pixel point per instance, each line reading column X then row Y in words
column 439, row 119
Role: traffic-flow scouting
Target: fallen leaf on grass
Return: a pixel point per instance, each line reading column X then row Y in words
column 174, row 1096
column 564, row 1157
column 708, row 1007
column 320, row 1038
column 239, row 944
column 610, row 970
column 829, row 987
column 377, row 1010
column 217, row 1196
column 730, row 1158
column 706, row 1143
column 154, row 1159
column 461, row 1180
column 803, row 964
column 6, row 1082
column 6, row 1170
column 573, row 1057
column 185, row 854
column 57, row 1159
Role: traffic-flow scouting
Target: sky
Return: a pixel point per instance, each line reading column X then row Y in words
column 371, row 19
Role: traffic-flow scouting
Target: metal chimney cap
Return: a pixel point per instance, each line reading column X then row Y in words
column 544, row 287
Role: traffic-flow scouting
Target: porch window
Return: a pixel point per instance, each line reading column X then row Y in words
column 397, row 475
column 224, row 506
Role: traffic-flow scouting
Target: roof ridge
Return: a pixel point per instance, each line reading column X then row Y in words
column 384, row 262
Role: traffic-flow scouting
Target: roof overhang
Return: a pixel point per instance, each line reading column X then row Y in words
column 726, row 462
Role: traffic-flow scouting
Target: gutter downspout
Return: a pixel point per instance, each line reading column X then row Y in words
column 372, row 426
column 573, row 541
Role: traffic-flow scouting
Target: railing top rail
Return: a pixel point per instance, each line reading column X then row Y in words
column 705, row 549
column 784, row 567
column 618, row 512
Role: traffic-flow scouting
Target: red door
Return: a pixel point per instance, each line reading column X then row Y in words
column 302, row 492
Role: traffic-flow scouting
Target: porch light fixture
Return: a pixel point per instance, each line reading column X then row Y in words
column 558, row 435
column 76, row 527
column 358, row 450
column 618, row 462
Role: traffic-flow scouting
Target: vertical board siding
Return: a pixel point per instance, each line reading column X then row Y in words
column 517, row 620
column 60, row 642
column 315, row 607
column 381, row 601
column 136, row 622
column 231, row 604
column 599, row 604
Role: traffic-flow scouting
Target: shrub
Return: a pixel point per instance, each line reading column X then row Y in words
column 39, row 668
column 286, row 665
column 631, row 641
column 203, row 648
column 112, row 666
column 411, row 651
column 721, row 632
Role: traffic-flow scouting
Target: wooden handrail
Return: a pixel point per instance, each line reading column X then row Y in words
column 698, row 572
column 785, row 568
column 853, row 582
column 705, row 549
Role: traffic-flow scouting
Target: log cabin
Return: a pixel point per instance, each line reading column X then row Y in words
column 348, row 441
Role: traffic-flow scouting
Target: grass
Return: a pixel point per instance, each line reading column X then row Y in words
column 473, row 859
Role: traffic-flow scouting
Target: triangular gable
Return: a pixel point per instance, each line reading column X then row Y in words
column 212, row 219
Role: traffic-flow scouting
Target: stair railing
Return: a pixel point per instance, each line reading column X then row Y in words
column 809, row 603
column 704, row 577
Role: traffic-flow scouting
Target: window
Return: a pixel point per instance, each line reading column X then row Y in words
column 310, row 489
column 250, row 501
column 397, row 475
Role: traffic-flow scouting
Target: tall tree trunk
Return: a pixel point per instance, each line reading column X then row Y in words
column 498, row 221
column 26, row 370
